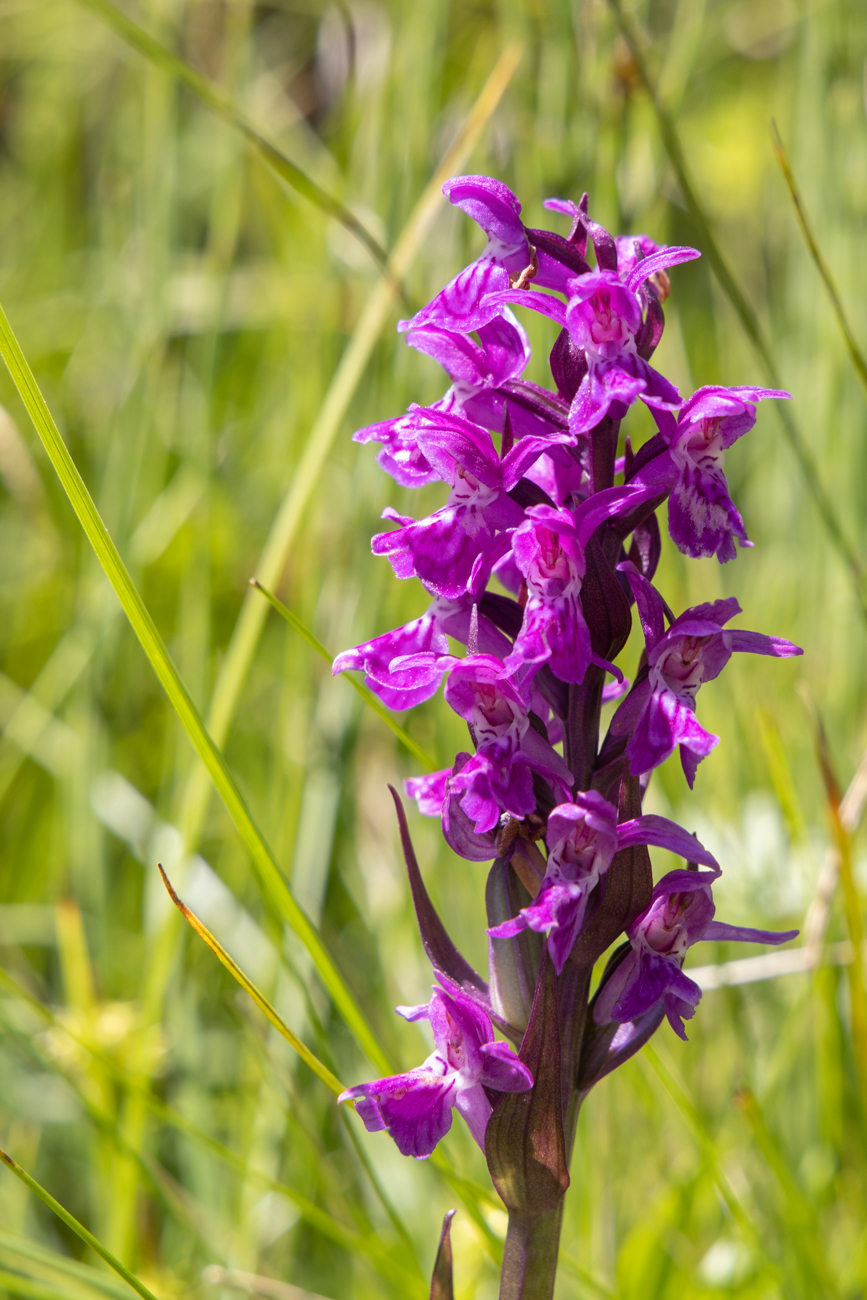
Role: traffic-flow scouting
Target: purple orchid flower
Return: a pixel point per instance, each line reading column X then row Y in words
column 680, row 914
column 478, row 372
column 416, row 1107
column 584, row 836
column 498, row 777
column 493, row 206
column 603, row 317
column 702, row 518
column 660, row 710
column 548, row 549
column 403, row 667
column 442, row 549
column 464, row 305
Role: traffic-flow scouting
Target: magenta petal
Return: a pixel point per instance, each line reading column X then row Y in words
column 473, row 1104
column 428, row 791
column 545, row 303
column 416, row 1108
column 659, row 261
column 490, row 203
column 440, row 550
column 509, row 929
column 665, row 834
column 741, row 934
column 650, row 607
column 665, row 723
column 467, row 301
column 503, row 1070
column 757, row 644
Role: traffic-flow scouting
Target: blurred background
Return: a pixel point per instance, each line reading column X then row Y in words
column 185, row 312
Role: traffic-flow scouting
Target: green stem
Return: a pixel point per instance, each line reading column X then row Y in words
column 530, row 1255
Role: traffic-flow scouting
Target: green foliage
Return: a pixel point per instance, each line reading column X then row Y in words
column 206, row 340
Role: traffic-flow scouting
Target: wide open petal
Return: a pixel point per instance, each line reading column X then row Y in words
column 416, row 1108
column 440, row 550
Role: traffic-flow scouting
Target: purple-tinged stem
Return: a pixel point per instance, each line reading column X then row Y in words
column 530, row 1255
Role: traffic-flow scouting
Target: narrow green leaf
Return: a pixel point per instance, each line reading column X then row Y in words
column 265, row 865
column 825, row 275
column 78, row 1228
column 222, row 105
column 367, row 695
column 249, row 987
column 46, row 1265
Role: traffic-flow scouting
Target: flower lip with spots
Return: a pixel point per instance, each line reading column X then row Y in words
column 702, row 518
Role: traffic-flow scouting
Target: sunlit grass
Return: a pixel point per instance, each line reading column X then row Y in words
column 185, row 315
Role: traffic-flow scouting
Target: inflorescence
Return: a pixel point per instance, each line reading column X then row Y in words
column 541, row 504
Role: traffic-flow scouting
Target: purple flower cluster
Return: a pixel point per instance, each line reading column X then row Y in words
column 529, row 565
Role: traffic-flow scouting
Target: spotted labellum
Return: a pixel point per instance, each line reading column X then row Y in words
column 546, row 538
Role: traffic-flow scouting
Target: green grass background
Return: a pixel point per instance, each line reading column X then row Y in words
column 184, row 313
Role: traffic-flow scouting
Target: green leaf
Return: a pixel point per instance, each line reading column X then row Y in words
column 270, row 876
column 78, row 1228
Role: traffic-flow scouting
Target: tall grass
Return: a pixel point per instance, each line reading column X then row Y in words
column 185, row 313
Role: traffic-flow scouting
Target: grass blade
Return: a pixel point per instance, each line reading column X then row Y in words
column 851, row 898
column 222, row 105
column 249, row 987
column 367, row 695
column 265, row 865
column 825, row 276
column 78, row 1228
column 745, row 312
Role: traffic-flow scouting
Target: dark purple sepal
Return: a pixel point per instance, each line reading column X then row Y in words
column 646, row 547
column 524, row 1143
column 606, row 607
column 605, row 1047
column 648, row 451
column 648, row 337
column 568, row 366
column 441, row 952
column 548, row 244
column 625, row 889
column 442, row 1283
column 603, row 245
column 513, row 964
